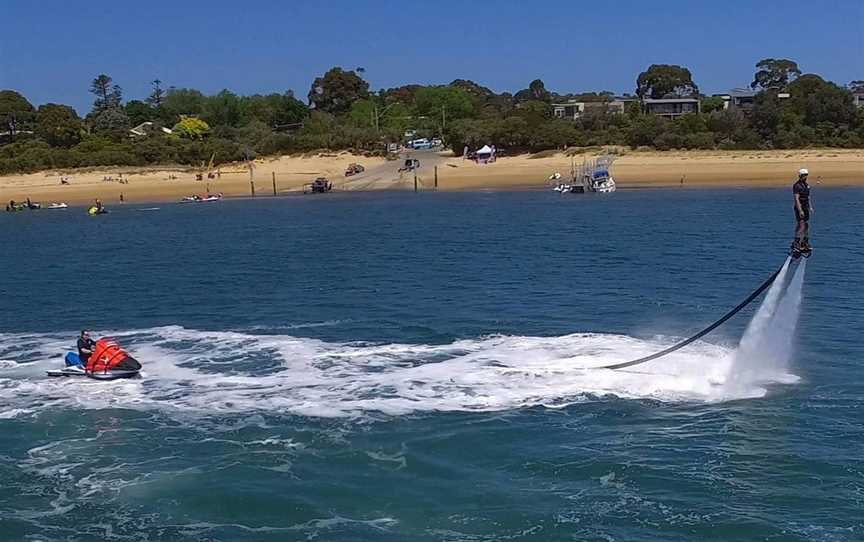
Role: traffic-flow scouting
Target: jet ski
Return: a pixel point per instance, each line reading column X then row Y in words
column 92, row 211
column 57, row 206
column 108, row 362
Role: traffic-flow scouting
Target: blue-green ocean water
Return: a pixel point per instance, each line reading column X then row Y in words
column 411, row 367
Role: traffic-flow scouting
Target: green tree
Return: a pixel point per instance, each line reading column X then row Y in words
column 337, row 90
column 444, row 104
column 157, row 95
column 139, row 112
column 766, row 115
column 274, row 110
column 645, row 130
column 512, row 132
column 223, row 109
column 555, row 134
column 404, row 94
column 15, row 112
column 191, row 128
column 181, row 101
column 819, row 101
column 534, row 112
column 711, row 104
column 663, row 80
column 535, row 91
column 59, row 125
column 107, row 94
column 364, row 113
column 111, row 122
column 690, row 123
column 774, row 73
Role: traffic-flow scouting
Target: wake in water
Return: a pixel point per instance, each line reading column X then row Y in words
column 205, row 372
column 765, row 351
column 210, row 372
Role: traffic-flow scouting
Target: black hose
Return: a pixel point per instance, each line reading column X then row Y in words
column 702, row 333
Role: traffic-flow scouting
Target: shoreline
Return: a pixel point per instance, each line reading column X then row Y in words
column 631, row 170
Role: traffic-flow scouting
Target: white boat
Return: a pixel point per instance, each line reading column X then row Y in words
column 201, row 199
column 605, row 186
column 602, row 182
column 56, row 206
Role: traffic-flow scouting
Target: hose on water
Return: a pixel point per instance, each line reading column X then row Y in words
column 764, row 286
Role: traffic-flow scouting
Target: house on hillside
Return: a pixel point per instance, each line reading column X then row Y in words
column 743, row 98
column 671, row 108
column 858, row 99
column 574, row 109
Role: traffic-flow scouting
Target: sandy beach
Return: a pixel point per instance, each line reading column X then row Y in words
column 632, row 169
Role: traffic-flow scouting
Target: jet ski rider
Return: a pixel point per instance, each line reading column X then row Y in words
column 85, row 346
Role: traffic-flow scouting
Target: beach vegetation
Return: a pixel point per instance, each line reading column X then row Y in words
column 191, row 128
column 59, row 125
column 789, row 110
column 16, row 112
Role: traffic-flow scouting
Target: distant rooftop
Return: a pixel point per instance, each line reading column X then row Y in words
column 669, row 100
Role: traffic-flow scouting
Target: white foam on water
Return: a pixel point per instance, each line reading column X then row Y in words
column 204, row 372
column 765, row 351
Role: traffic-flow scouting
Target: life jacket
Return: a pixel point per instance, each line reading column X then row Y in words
column 107, row 355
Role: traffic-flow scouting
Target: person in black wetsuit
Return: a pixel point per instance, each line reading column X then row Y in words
column 85, row 346
column 803, row 209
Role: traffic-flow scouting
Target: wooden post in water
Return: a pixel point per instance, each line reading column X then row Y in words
column 274, row 183
column 436, row 178
column 251, row 176
column 415, row 179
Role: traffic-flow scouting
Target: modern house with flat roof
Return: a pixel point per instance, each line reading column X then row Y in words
column 743, row 98
column 574, row 109
column 671, row 108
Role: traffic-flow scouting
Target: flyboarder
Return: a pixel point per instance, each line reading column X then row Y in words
column 803, row 209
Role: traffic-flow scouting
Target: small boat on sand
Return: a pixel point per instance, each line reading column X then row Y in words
column 202, row 198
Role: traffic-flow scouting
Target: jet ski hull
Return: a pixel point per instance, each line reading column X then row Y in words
column 79, row 372
column 74, row 368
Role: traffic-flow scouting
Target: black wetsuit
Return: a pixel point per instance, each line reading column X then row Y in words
column 802, row 189
column 83, row 344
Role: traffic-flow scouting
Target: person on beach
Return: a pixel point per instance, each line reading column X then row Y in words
column 803, row 209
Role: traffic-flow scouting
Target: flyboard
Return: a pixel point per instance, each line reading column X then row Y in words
column 797, row 252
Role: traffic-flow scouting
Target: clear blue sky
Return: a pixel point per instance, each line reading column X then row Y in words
column 50, row 50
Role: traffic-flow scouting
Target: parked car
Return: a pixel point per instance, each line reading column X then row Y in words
column 354, row 169
column 418, row 144
column 318, row 186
